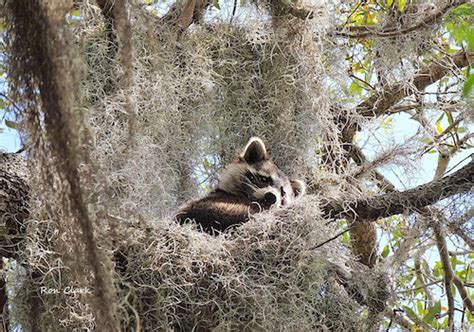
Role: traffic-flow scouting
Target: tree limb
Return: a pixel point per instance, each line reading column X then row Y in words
column 361, row 160
column 181, row 17
column 283, row 7
column 377, row 105
column 397, row 319
column 449, row 276
column 448, row 271
column 413, row 199
column 369, row 31
column 381, row 101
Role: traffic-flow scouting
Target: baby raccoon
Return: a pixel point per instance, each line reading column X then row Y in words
column 250, row 184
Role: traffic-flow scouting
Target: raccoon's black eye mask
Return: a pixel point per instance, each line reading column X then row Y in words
column 259, row 180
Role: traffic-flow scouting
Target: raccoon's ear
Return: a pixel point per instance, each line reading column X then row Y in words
column 255, row 151
column 298, row 186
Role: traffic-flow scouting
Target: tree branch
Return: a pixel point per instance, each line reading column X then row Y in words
column 377, row 105
column 381, row 101
column 413, row 199
column 283, row 7
column 463, row 292
column 397, row 319
column 369, row 31
column 449, row 275
column 181, row 17
column 448, row 271
column 361, row 160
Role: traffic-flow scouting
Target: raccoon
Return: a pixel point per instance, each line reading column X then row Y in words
column 251, row 183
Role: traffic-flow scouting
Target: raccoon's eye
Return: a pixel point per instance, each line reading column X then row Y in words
column 265, row 179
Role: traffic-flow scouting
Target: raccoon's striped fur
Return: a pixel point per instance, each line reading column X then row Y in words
column 250, row 184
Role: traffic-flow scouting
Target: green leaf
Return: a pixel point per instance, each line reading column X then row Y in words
column 11, row 124
column 215, row 3
column 456, row 261
column 389, row 2
column 438, row 269
column 355, row 89
column 427, row 140
column 2, row 103
column 440, row 117
column 401, row 5
column 385, row 251
column 468, row 85
column 462, row 10
column 419, row 306
column 410, row 312
column 432, row 312
column 460, row 29
column 450, row 117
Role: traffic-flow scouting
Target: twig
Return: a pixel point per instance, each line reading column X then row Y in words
column 402, row 108
column 397, row 319
column 459, row 163
column 362, row 81
column 421, row 278
column 10, row 101
column 463, row 292
column 233, row 11
column 352, row 13
column 448, row 272
column 420, row 287
column 460, row 253
column 451, row 126
column 331, row 239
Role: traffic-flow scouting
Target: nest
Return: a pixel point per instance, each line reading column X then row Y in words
column 267, row 275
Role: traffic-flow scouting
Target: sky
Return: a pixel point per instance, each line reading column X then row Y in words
column 9, row 139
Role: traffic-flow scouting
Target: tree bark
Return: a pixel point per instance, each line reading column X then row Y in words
column 414, row 199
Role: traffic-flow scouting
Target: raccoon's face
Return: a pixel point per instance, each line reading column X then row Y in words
column 254, row 176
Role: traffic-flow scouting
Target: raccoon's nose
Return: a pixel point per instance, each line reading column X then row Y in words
column 270, row 198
